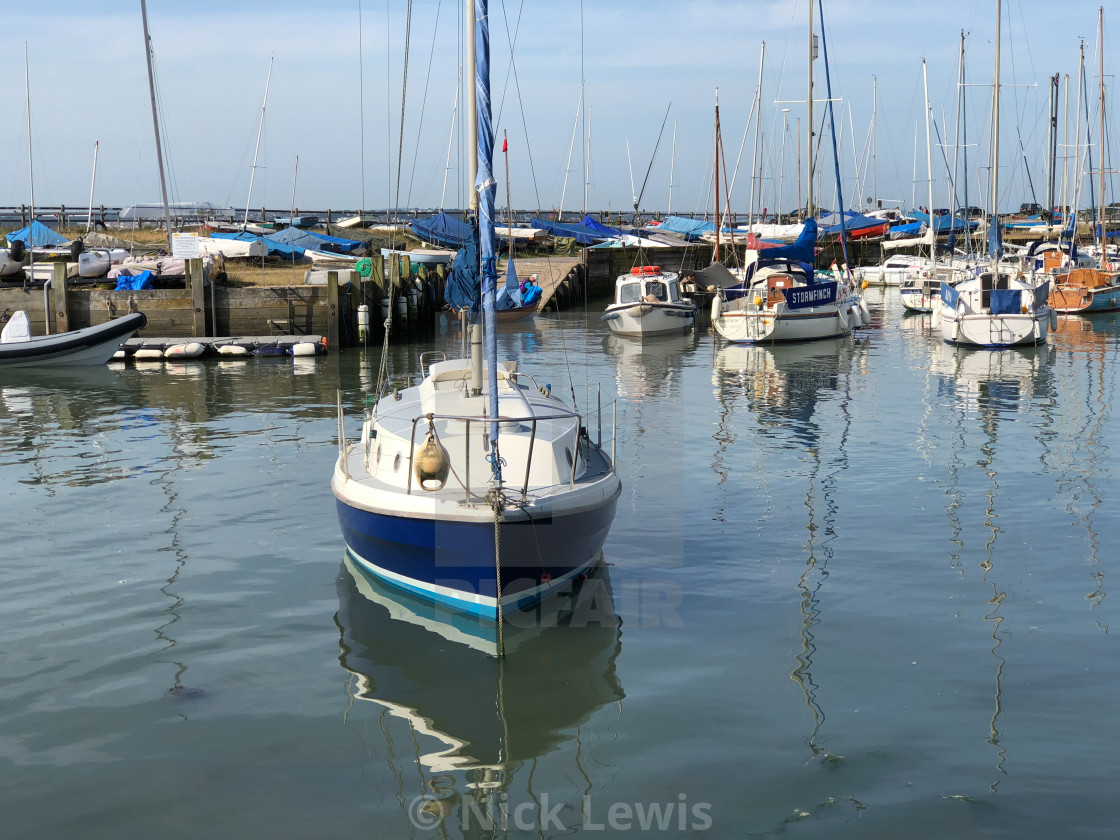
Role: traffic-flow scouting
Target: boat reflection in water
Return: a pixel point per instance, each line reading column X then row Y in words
column 802, row 398
column 475, row 719
column 993, row 387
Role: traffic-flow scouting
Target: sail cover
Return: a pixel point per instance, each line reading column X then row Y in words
column 803, row 250
column 487, row 187
column 464, row 290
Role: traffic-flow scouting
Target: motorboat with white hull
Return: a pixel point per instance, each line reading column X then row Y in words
column 648, row 301
column 90, row 346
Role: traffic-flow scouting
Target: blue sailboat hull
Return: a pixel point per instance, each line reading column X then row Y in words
column 453, row 563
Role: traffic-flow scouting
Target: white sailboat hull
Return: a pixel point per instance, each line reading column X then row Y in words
column 749, row 323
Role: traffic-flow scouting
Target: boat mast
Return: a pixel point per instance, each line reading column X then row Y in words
column 929, row 170
column 472, row 177
column 756, row 164
column 672, row 167
column 260, row 130
column 472, row 110
column 716, row 157
column 874, row 136
column 1065, row 148
column 155, row 121
column 292, row 217
column 30, row 171
column 1100, row 44
column 509, row 206
column 993, row 252
column 92, row 181
column 568, row 168
column 954, row 205
column 1077, row 167
column 587, row 160
column 450, row 140
column 487, row 187
column 812, row 55
column 1052, row 178
column 782, row 172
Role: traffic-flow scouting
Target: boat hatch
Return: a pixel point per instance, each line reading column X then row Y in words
column 774, row 286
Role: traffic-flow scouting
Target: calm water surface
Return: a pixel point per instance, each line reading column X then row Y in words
column 854, row 589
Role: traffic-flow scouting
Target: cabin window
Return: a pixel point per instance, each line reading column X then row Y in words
column 674, row 291
column 629, row 293
column 657, row 290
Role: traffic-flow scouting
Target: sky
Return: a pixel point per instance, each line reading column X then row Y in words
column 335, row 101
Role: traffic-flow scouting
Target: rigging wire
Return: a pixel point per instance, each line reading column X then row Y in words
column 404, row 100
column 361, row 110
column 423, row 103
column 521, row 105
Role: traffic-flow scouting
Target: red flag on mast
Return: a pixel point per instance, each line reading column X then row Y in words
column 505, row 143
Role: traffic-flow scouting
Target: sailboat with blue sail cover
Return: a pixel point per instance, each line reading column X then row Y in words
column 782, row 298
column 476, row 489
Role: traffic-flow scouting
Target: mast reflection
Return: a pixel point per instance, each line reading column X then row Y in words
column 786, row 387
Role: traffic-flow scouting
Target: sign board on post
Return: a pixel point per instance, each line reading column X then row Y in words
column 184, row 246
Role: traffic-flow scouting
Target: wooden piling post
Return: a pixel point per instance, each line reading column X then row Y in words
column 61, row 309
column 195, row 283
column 332, row 309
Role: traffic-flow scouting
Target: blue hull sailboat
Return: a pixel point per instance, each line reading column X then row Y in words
column 477, row 488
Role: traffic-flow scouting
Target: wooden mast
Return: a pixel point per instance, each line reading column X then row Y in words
column 716, row 157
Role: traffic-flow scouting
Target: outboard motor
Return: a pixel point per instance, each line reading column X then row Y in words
column 17, row 251
column 76, row 247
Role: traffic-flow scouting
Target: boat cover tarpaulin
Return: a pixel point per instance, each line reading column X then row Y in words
column 829, row 223
column 600, row 228
column 945, row 223
column 442, row 229
column 296, row 237
column 718, row 275
column 143, row 280
column 274, row 248
column 580, row 233
column 683, row 226
column 43, row 236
